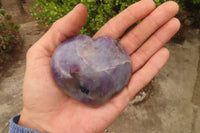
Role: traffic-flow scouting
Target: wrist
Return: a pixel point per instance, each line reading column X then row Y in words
column 33, row 121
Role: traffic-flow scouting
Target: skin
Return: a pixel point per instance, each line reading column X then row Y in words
column 47, row 109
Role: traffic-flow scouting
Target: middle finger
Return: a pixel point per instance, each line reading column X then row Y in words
column 136, row 37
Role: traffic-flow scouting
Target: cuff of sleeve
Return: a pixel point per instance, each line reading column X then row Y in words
column 15, row 128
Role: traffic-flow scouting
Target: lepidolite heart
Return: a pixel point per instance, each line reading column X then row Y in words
column 91, row 71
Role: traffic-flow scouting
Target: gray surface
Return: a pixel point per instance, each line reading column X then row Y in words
column 170, row 108
column 12, row 80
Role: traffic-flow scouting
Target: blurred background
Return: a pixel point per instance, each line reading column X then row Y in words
column 169, row 104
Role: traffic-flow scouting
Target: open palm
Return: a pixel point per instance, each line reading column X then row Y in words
column 48, row 109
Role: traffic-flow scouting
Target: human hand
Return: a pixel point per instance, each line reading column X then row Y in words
column 48, row 109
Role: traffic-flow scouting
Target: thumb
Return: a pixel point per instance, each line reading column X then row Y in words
column 65, row 27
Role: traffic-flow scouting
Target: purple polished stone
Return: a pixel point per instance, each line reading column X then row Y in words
column 91, row 71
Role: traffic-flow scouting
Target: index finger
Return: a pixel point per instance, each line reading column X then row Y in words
column 119, row 24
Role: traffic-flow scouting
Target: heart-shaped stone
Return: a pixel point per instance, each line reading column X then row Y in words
column 91, row 71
